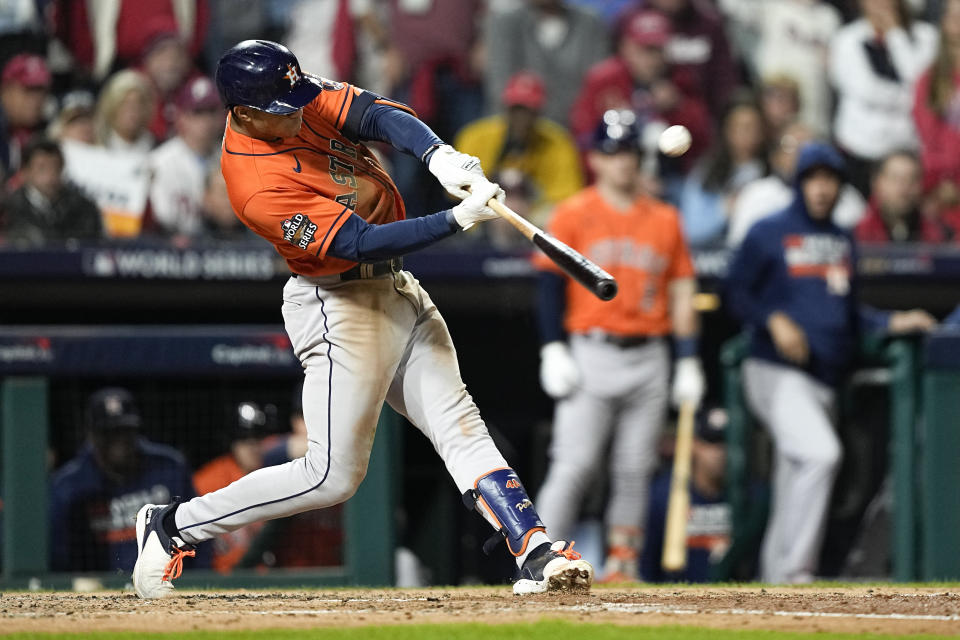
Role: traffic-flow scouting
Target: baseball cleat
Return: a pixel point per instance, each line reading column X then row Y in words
column 553, row 567
column 159, row 556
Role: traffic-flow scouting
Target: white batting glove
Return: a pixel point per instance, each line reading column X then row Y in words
column 456, row 171
column 559, row 374
column 474, row 209
column 688, row 382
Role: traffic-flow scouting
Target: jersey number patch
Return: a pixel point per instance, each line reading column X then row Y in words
column 298, row 230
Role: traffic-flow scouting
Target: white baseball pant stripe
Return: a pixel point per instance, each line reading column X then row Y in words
column 361, row 342
column 798, row 411
column 621, row 402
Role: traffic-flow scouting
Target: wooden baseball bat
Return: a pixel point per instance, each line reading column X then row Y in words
column 589, row 274
column 678, row 508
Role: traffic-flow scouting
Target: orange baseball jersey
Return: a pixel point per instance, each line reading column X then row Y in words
column 231, row 547
column 298, row 192
column 643, row 248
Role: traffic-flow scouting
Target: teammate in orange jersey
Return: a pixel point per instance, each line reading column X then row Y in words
column 299, row 175
column 248, row 427
column 610, row 376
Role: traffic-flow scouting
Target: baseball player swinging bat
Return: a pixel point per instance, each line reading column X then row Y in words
column 675, row 535
column 589, row 274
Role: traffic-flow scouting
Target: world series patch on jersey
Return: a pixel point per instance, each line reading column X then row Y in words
column 299, row 231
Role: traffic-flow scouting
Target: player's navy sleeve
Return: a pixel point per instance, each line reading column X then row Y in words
column 404, row 131
column 750, row 265
column 359, row 241
column 550, row 306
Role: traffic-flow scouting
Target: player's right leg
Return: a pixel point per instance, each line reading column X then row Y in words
column 581, row 430
column 633, row 455
column 350, row 338
column 797, row 409
column 429, row 391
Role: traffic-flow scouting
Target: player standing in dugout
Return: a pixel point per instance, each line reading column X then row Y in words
column 608, row 364
column 298, row 175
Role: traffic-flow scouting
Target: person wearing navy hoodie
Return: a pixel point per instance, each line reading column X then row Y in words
column 792, row 283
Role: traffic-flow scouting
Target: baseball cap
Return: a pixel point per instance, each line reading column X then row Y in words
column 711, row 425
column 27, row 69
column 112, row 408
column 524, row 89
column 648, row 28
column 616, row 132
column 198, row 94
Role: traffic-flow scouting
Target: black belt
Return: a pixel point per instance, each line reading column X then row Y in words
column 624, row 342
column 363, row 271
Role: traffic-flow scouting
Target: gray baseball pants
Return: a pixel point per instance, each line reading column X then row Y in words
column 798, row 411
column 360, row 342
column 621, row 402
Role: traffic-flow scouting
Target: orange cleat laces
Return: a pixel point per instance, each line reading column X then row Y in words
column 569, row 553
column 175, row 567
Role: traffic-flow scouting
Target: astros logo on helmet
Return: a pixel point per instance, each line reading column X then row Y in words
column 292, row 75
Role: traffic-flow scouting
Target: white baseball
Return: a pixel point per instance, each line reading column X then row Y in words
column 675, row 140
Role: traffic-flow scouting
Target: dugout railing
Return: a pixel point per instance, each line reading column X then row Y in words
column 922, row 449
column 940, row 471
column 36, row 360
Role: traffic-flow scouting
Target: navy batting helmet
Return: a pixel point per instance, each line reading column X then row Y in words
column 266, row 76
column 617, row 132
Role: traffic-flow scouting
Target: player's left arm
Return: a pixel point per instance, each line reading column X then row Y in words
column 870, row 319
column 359, row 241
column 688, row 381
column 374, row 118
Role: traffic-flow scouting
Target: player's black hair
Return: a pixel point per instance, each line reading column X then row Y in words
column 41, row 144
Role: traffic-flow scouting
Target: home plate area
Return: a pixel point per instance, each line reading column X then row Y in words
column 878, row 609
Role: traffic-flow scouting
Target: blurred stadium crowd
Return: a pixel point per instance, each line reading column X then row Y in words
column 117, row 95
column 110, row 130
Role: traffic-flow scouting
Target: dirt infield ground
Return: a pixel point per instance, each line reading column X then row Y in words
column 888, row 610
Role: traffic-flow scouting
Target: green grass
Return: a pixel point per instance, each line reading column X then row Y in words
column 548, row 630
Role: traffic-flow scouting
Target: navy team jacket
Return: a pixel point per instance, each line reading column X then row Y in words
column 805, row 268
column 92, row 517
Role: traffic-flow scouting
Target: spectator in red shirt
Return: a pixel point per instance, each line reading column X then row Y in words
column 24, row 90
column 936, row 112
column 639, row 78
column 105, row 34
column 894, row 212
column 698, row 49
